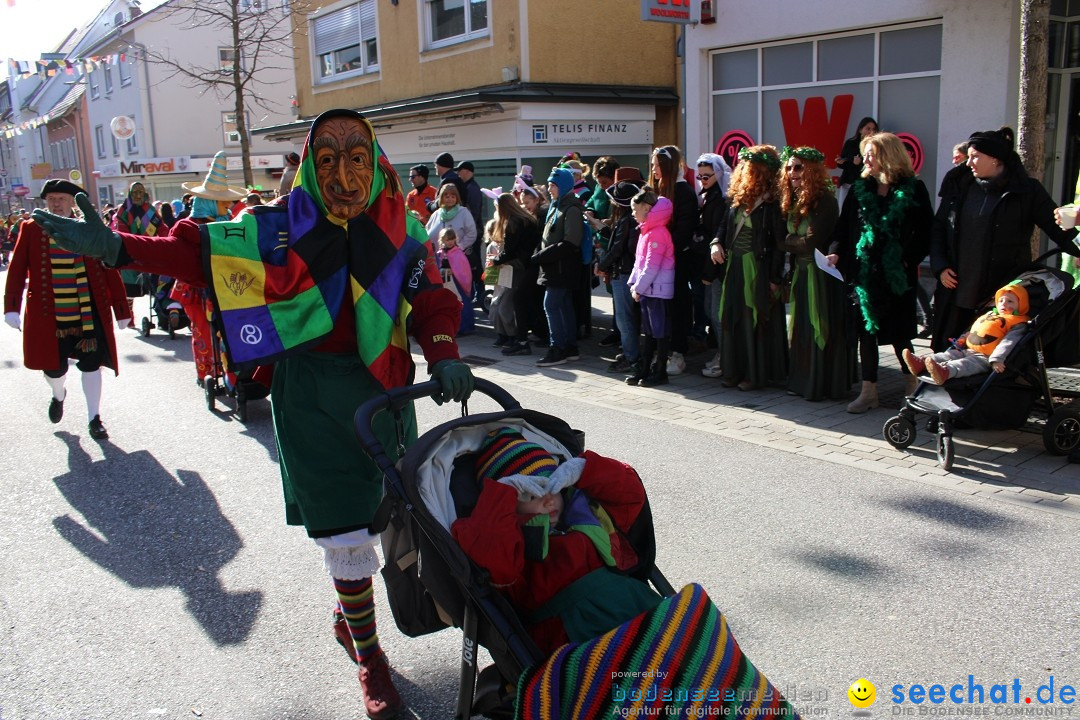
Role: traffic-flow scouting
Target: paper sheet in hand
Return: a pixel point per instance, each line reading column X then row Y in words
column 506, row 276
column 824, row 265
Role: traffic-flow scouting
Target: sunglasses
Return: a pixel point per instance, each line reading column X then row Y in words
column 703, row 178
column 662, row 151
column 795, row 168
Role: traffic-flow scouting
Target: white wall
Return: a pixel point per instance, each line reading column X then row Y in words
column 979, row 63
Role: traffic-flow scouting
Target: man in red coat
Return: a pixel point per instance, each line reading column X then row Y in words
column 67, row 308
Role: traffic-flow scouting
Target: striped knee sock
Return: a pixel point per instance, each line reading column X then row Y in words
column 357, row 602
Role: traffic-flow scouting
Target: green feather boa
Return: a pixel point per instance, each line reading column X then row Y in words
column 880, row 255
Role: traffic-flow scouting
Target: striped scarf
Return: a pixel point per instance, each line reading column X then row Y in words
column 73, row 302
column 678, row 660
column 280, row 277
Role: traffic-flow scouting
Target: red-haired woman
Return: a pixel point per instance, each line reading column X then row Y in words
column 754, row 336
column 822, row 355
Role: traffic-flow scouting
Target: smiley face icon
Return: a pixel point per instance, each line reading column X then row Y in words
column 862, row 693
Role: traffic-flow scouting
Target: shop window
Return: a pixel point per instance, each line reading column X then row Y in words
column 453, row 21
column 1055, row 45
column 736, row 111
column 346, row 42
column 735, row 70
column 846, row 57
column 911, row 50
column 787, row 64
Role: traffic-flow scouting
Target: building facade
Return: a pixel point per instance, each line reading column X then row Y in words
column 498, row 84
column 931, row 71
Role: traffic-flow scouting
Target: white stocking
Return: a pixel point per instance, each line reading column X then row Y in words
column 57, row 385
column 91, row 385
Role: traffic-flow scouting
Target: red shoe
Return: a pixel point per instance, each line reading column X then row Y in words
column 938, row 373
column 342, row 634
column 381, row 699
column 914, row 363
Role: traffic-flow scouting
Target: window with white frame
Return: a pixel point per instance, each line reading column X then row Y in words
column 54, row 150
column 227, row 58
column 115, row 145
column 95, row 91
column 254, row 6
column 454, row 21
column 125, row 74
column 345, row 42
column 228, row 126
column 108, row 78
column 132, row 142
column 99, row 140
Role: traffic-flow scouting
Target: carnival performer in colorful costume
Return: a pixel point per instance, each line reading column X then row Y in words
column 327, row 286
column 212, row 201
column 138, row 217
column 67, row 308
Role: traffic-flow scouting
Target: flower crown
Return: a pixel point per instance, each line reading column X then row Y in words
column 803, row 153
column 765, row 158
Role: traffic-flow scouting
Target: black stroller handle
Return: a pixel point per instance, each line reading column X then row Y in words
column 397, row 398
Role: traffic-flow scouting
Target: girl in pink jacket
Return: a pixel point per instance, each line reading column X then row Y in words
column 652, row 283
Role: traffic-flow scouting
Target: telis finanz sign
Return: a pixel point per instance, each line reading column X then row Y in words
column 671, row 11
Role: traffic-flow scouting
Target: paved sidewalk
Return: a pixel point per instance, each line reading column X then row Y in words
column 1010, row 466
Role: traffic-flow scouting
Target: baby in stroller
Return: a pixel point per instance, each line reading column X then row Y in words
column 551, row 535
column 985, row 346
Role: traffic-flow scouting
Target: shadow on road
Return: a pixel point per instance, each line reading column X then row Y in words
column 155, row 530
column 844, row 564
column 951, row 513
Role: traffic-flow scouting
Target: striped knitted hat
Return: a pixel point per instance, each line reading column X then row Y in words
column 506, row 452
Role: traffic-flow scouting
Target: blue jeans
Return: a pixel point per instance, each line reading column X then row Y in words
column 559, row 308
column 624, row 318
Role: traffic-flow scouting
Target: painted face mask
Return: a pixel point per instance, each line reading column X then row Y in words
column 344, row 165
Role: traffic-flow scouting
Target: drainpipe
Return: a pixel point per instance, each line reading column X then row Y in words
column 149, row 97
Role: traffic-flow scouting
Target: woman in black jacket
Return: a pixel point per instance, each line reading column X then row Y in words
column 616, row 263
column 849, row 161
column 882, row 235
column 670, row 183
column 519, row 233
column 982, row 232
column 713, row 174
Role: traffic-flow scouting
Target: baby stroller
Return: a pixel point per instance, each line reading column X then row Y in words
column 240, row 386
column 1006, row 400
column 168, row 315
column 432, row 584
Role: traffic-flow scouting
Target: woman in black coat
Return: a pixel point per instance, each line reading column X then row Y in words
column 883, row 234
column 849, row 162
column 982, row 232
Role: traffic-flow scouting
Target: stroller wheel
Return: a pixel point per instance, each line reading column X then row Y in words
column 210, row 390
column 899, row 432
column 1061, row 435
column 945, row 451
column 147, row 326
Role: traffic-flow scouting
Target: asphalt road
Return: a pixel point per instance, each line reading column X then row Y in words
column 152, row 575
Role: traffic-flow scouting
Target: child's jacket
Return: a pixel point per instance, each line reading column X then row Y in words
column 654, row 260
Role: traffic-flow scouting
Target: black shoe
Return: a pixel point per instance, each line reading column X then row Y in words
column 622, row 365
column 572, row 353
column 502, row 341
column 612, row 339
column 56, row 410
column 97, row 430
column 656, row 377
column 554, row 356
column 517, row 348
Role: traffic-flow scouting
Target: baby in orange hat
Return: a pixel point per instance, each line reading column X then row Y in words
column 984, row 346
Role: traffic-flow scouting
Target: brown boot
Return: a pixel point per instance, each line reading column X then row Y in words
column 939, row 372
column 867, row 399
column 381, row 699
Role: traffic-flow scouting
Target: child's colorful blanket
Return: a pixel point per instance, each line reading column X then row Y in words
column 679, row 660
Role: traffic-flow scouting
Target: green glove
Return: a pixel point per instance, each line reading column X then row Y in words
column 455, row 380
column 88, row 237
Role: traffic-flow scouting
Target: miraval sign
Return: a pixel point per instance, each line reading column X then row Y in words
column 148, row 166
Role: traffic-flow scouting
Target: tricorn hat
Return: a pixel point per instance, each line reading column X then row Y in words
column 57, row 185
column 216, row 185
